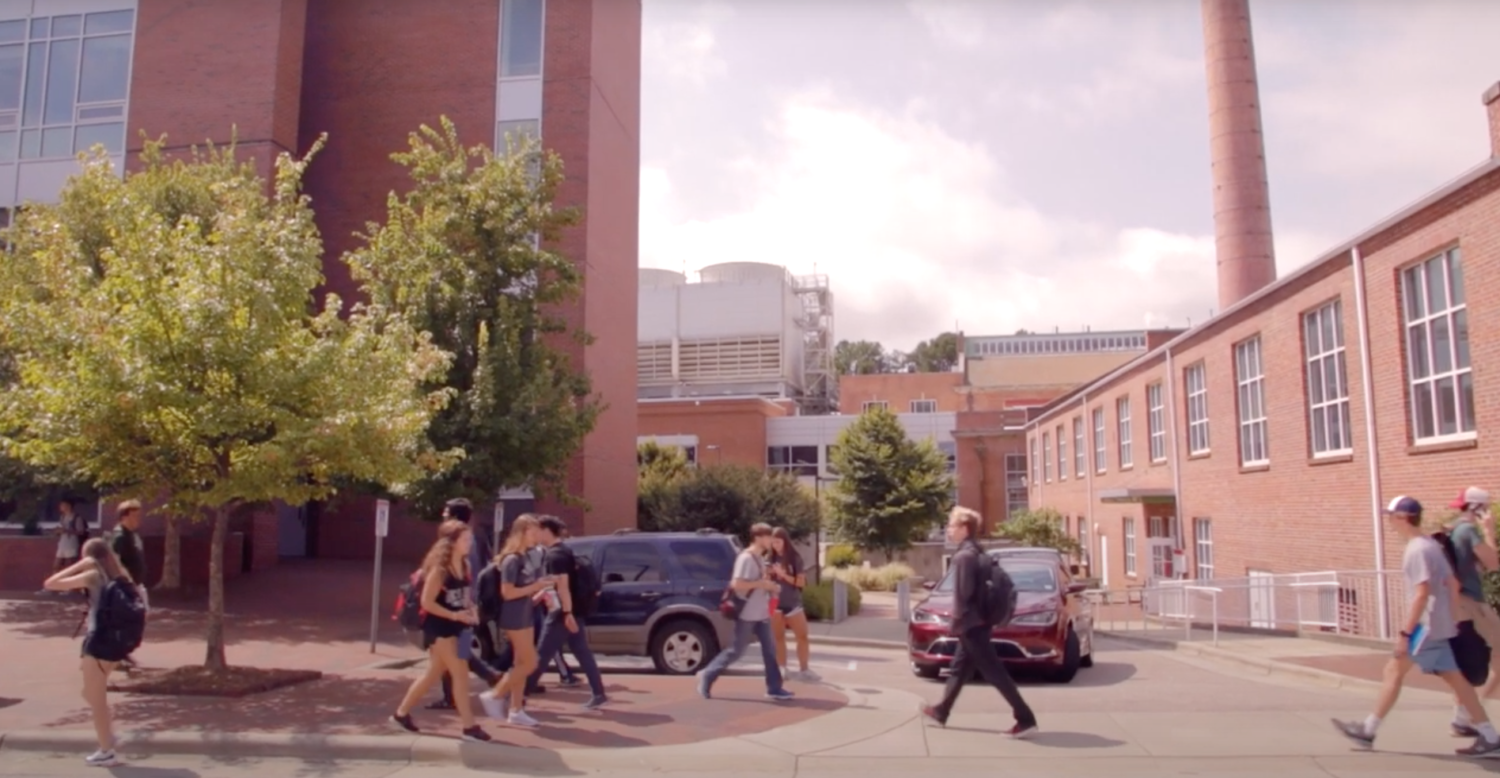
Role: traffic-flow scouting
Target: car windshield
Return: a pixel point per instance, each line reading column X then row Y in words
column 1027, row 575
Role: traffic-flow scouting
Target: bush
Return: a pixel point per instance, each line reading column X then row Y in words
column 842, row 556
column 873, row 579
column 817, row 600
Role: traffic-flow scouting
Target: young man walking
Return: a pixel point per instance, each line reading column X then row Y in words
column 751, row 585
column 1424, row 636
column 1474, row 551
column 564, row 625
column 126, row 542
column 973, row 629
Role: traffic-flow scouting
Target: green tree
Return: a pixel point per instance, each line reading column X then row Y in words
column 1038, row 528
column 892, row 491
column 661, row 468
column 166, row 347
column 938, row 355
column 731, row 498
column 466, row 255
column 860, row 357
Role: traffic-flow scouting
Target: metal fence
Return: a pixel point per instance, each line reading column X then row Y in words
column 1335, row 602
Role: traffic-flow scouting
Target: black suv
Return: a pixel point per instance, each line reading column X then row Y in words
column 660, row 597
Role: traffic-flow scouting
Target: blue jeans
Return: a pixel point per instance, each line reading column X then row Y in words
column 743, row 631
column 564, row 673
column 553, row 637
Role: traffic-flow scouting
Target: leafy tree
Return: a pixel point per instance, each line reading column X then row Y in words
column 661, row 468
column 465, row 255
column 892, row 491
column 166, row 347
column 860, row 357
column 731, row 498
column 938, row 355
column 1039, row 528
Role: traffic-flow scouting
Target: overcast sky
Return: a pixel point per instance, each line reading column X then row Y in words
column 1015, row 163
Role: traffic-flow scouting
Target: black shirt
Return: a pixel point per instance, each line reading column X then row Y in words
column 131, row 550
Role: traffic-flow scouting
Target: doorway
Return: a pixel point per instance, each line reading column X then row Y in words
column 291, row 530
column 1262, row 599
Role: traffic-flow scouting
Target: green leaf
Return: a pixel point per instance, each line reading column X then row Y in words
column 892, row 491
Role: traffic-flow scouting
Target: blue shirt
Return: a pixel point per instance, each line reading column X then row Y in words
column 1465, row 536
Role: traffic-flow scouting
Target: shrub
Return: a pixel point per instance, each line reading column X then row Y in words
column 817, row 600
column 873, row 579
column 843, row 555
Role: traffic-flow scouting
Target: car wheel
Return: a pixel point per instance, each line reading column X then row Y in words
column 930, row 672
column 1072, row 660
column 682, row 647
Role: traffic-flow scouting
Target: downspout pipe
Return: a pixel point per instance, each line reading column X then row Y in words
column 1174, row 457
column 1366, row 370
column 1088, row 469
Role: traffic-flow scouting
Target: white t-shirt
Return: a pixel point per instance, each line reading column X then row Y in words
column 1423, row 561
column 748, row 567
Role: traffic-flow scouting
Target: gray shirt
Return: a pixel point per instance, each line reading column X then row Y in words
column 516, row 614
column 1424, row 562
column 749, row 567
column 1466, row 537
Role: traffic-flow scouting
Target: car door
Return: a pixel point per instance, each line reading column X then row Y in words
column 633, row 578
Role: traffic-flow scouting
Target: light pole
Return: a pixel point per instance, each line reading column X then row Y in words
column 818, row 480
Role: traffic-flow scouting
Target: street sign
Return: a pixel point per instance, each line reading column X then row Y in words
column 382, row 518
column 382, row 528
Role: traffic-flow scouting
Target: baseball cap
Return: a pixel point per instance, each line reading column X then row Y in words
column 1406, row 505
column 1470, row 496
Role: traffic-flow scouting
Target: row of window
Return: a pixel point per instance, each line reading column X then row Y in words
column 1167, row 536
column 1438, row 371
column 915, row 406
column 803, row 460
column 1059, row 344
column 63, row 84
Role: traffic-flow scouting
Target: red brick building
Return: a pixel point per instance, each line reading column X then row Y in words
column 1267, row 439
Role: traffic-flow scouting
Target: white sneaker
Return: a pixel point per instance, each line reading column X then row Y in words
column 518, row 718
column 808, row 676
column 101, row 758
column 493, row 706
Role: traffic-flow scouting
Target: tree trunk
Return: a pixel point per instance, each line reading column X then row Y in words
column 171, row 557
column 214, row 660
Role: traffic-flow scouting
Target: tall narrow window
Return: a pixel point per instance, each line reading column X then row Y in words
column 1122, row 420
column 1250, row 379
column 1203, row 549
column 1046, row 456
column 1035, row 464
column 1129, row 546
column 1195, row 382
column 1080, row 453
column 1156, row 423
column 1327, row 381
column 1062, row 454
column 1437, row 349
column 521, row 38
column 1101, row 454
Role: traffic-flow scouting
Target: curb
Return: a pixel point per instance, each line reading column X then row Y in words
column 829, row 640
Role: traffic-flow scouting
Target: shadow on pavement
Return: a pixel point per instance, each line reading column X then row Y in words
column 1048, row 739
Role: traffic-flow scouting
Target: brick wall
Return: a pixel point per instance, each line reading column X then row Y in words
column 737, row 427
column 25, row 562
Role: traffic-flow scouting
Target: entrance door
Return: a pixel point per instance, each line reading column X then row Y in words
column 291, row 530
column 1262, row 599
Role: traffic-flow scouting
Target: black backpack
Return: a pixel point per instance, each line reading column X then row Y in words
column 119, row 622
column 487, row 593
column 997, row 592
column 409, row 612
column 584, row 585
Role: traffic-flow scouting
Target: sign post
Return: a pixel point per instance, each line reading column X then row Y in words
column 382, row 528
column 498, row 526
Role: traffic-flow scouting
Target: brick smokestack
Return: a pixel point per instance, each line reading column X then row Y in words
column 1492, row 103
column 1242, row 199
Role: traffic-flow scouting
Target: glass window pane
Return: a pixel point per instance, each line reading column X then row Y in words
column 1319, row 431
column 1466, row 402
column 1456, row 277
column 40, row 27
column 106, row 69
column 521, row 38
column 1315, row 382
column 112, row 135
column 13, row 31
column 1343, row 375
column 1413, row 285
column 10, row 76
column 1437, row 285
column 7, row 146
column 63, row 26
column 62, row 82
column 31, row 144
column 111, row 21
column 1461, row 337
column 1442, row 346
column 36, row 70
column 1416, row 345
column 57, row 142
column 100, row 112
column 1421, row 409
column 1310, row 334
column 1447, row 406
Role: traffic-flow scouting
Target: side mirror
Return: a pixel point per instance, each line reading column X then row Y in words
column 929, row 585
column 610, row 578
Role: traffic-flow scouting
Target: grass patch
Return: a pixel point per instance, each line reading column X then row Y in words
column 199, row 681
column 872, row 579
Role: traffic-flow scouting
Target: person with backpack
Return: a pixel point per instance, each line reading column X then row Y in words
column 747, row 601
column 577, row 593
column 1470, row 540
column 462, row 510
column 116, row 623
column 518, row 586
column 984, row 597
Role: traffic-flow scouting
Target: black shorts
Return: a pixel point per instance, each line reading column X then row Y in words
column 434, row 628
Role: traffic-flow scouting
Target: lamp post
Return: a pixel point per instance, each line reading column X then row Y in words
column 818, row 480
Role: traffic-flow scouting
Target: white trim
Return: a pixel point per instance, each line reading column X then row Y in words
column 1422, row 324
column 1129, row 546
column 1327, row 402
column 1101, row 449
column 1203, row 538
column 1195, row 384
column 1366, row 369
column 1062, row 453
column 1123, row 438
column 1047, row 457
column 1250, row 402
column 1080, row 452
column 1156, row 422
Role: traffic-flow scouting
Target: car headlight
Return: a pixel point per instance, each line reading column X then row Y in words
column 1038, row 619
column 928, row 617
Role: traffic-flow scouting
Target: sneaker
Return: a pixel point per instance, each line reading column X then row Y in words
column 596, row 702
column 404, row 722
column 518, row 718
column 1463, row 730
column 703, row 686
column 494, row 707
column 1481, row 747
column 475, row 734
column 780, row 695
column 808, row 676
column 100, row 758
column 1021, row 731
column 931, row 714
column 1355, row 731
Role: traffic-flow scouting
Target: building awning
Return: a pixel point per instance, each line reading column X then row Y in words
column 1140, row 496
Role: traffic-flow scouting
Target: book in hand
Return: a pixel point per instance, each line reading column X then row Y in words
column 1418, row 637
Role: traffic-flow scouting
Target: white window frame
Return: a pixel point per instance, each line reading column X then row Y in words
column 923, row 406
column 870, row 405
column 1122, row 424
column 1203, row 549
column 1047, row 457
column 1101, row 452
column 1195, row 385
column 1062, row 453
column 1036, row 464
column 1080, row 453
column 1327, row 381
column 1084, row 555
column 1156, row 422
column 1250, row 400
column 1424, row 373
column 1129, row 547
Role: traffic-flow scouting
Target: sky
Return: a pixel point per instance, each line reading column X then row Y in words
column 993, row 165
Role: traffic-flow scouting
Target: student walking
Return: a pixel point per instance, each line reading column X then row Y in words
column 564, row 624
column 1474, row 552
column 973, row 571
column 128, row 547
column 108, row 584
column 536, row 566
column 72, row 533
column 448, row 610
column 750, row 589
column 1431, row 590
column 517, row 588
column 787, row 570
column 462, row 510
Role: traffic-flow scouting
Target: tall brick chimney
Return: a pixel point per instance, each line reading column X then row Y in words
column 1492, row 102
column 1242, row 199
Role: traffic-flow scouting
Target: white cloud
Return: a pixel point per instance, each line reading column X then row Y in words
column 685, row 51
column 951, row 22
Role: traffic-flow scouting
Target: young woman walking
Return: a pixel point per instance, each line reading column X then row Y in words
column 91, row 574
column 787, row 570
column 519, row 584
column 449, row 611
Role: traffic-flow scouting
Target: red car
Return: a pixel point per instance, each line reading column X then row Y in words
column 1052, row 629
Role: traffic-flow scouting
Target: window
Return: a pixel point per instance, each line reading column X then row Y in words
column 1122, row 418
column 1080, row 455
column 924, row 406
column 1035, row 463
column 1083, row 543
column 1156, row 423
column 515, row 132
column 691, row 452
column 1062, row 454
column 1437, row 349
column 1195, row 381
column 1130, row 547
column 950, row 453
column 1015, row 484
column 828, row 459
column 1100, row 454
column 1047, row 456
column 631, row 562
column 797, row 460
column 1327, row 381
column 1203, row 549
column 63, row 84
column 521, row 38
column 1250, row 378
column 708, row 559
column 872, row 405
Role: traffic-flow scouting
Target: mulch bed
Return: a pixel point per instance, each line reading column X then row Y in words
column 199, row 681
